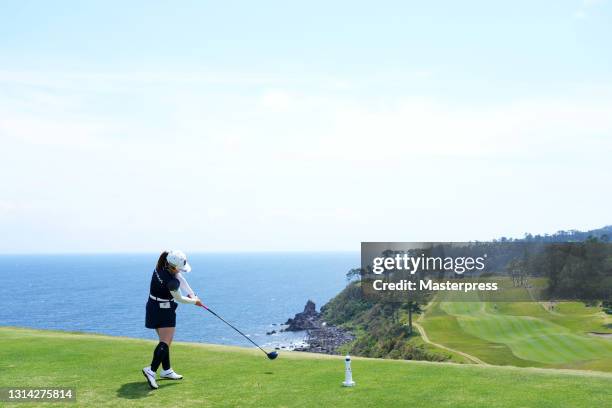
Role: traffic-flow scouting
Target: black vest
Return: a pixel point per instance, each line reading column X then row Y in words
column 162, row 282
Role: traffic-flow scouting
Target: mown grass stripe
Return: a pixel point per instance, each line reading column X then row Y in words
column 529, row 338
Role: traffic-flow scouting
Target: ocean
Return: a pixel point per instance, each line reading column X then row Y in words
column 107, row 293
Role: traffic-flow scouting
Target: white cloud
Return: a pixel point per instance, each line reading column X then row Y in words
column 7, row 207
column 586, row 8
column 276, row 160
column 40, row 132
column 306, row 123
column 276, row 100
column 580, row 14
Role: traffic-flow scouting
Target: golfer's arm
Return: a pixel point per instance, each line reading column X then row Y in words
column 176, row 294
column 184, row 285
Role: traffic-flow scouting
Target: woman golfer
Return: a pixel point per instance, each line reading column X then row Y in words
column 166, row 284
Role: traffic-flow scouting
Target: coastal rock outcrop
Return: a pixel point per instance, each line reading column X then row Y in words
column 321, row 337
column 306, row 320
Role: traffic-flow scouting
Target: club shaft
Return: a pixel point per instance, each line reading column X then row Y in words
column 232, row 326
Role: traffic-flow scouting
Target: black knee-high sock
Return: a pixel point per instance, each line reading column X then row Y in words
column 158, row 355
column 166, row 360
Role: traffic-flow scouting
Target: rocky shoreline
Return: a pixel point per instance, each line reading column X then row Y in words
column 321, row 337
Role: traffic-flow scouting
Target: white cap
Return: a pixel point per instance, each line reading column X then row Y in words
column 178, row 259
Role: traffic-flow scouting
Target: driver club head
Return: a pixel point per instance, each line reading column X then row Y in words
column 272, row 355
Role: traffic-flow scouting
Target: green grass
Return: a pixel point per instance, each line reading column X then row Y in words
column 106, row 372
column 523, row 333
column 417, row 340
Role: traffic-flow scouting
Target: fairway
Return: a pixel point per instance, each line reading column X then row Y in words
column 522, row 333
column 106, row 372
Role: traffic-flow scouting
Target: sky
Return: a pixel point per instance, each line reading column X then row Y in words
column 281, row 126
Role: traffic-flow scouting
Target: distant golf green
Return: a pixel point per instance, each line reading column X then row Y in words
column 106, row 372
column 523, row 333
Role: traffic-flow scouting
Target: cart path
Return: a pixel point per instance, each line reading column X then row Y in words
column 426, row 339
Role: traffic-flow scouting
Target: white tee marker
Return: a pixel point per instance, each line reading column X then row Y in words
column 348, row 373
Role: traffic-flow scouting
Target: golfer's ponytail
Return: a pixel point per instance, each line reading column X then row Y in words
column 162, row 261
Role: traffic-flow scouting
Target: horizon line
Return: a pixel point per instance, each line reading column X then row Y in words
column 187, row 251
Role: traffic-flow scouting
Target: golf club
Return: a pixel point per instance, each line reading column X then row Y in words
column 271, row 355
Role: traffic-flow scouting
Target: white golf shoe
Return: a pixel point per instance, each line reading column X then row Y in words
column 150, row 376
column 170, row 375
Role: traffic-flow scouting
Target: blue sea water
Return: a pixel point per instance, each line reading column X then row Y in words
column 107, row 293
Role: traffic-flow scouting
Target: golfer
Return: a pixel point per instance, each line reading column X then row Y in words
column 166, row 284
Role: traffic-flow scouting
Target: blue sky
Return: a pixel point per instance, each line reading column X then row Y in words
column 314, row 126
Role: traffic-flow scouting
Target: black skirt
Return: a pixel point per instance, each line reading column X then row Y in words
column 158, row 316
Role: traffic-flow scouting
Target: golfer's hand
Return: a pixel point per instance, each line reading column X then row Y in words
column 197, row 299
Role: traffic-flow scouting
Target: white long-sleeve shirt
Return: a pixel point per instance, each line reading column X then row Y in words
column 184, row 285
column 178, row 296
